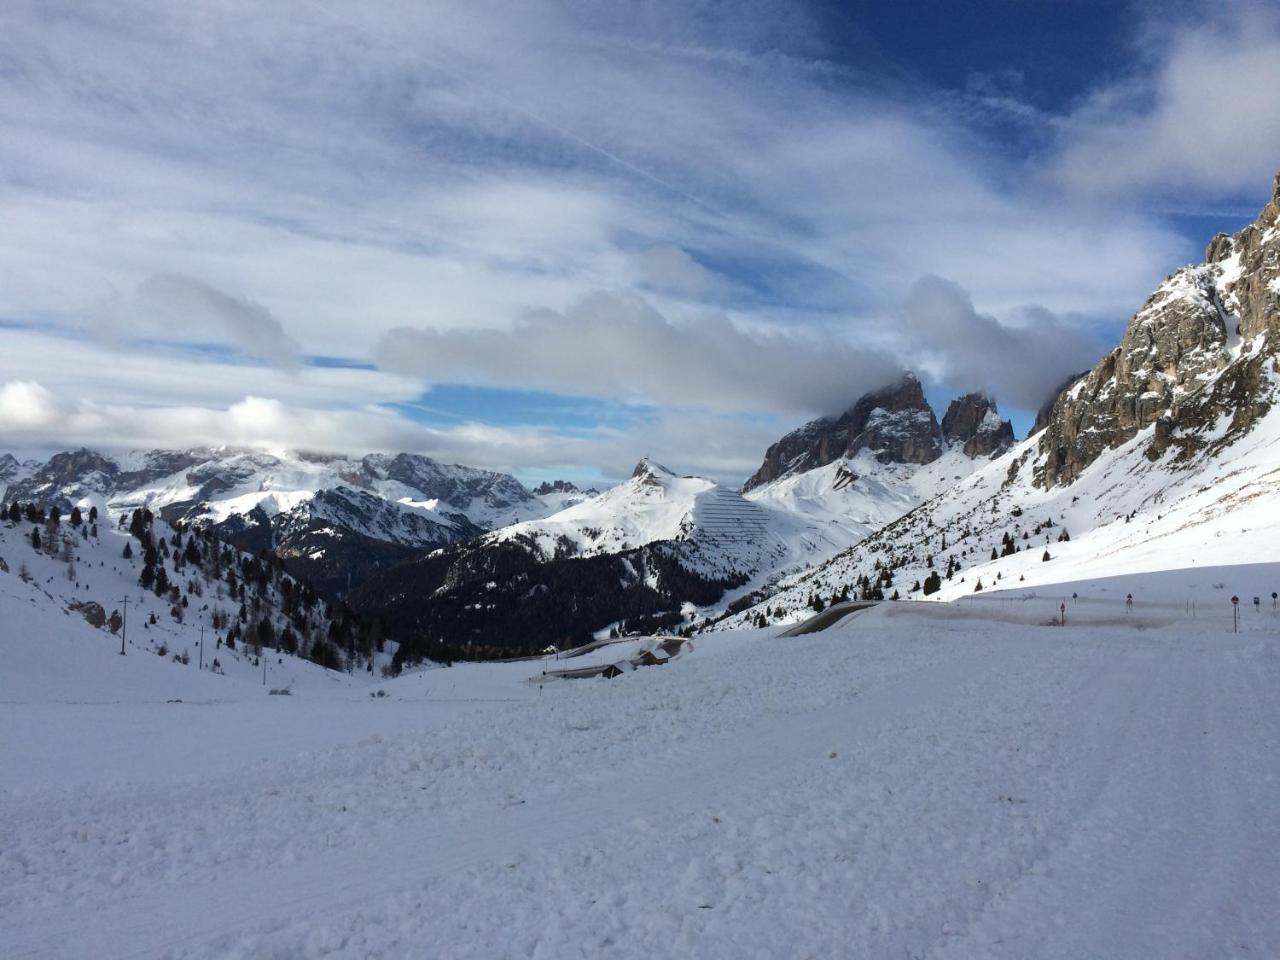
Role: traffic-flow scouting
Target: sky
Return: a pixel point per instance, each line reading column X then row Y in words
column 554, row 237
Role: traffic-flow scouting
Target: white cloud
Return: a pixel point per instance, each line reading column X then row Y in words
column 707, row 444
column 672, row 269
column 174, row 308
column 310, row 180
column 1020, row 363
column 80, row 368
column 1201, row 115
column 620, row 346
column 27, row 407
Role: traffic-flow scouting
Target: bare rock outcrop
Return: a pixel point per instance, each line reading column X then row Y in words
column 974, row 421
column 895, row 422
column 1196, row 351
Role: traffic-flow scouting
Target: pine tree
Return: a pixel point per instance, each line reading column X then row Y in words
column 35, row 538
column 127, row 553
column 76, row 518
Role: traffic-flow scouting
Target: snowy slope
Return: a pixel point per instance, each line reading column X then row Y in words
column 561, row 495
column 39, row 590
column 860, row 494
column 724, row 530
column 926, row 780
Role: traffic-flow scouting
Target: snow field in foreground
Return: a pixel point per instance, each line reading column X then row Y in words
column 919, row 782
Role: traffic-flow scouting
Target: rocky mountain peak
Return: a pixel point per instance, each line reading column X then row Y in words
column 974, row 421
column 650, row 472
column 548, row 487
column 1191, row 354
column 895, row 422
column 67, row 477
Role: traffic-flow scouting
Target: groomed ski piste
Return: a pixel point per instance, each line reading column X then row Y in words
column 920, row 780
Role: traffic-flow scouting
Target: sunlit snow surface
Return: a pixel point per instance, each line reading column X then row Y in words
column 925, row 780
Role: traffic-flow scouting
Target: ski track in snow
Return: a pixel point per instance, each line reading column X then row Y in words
column 896, row 786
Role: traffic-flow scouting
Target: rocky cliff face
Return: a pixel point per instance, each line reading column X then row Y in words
column 1197, row 349
column 67, row 477
column 896, row 424
column 548, row 487
column 9, row 469
column 974, row 421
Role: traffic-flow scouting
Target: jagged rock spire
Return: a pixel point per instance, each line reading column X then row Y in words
column 974, row 421
column 895, row 423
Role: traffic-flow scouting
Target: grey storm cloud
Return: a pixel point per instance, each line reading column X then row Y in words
column 1022, row 364
column 186, row 308
column 620, row 346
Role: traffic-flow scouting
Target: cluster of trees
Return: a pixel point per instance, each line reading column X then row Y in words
column 272, row 610
column 498, row 600
column 49, row 534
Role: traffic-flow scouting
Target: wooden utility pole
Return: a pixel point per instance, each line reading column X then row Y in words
column 124, row 625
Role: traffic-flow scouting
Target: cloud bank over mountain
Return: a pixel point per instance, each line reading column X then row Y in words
column 711, row 202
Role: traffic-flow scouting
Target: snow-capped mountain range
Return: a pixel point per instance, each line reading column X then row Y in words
column 687, row 547
column 213, row 485
column 336, row 519
column 1165, row 455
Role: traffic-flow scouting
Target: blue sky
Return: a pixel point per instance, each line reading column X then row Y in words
column 556, row 236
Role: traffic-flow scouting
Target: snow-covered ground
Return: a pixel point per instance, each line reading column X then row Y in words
column 925, row 780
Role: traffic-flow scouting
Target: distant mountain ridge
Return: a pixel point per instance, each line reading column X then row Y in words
column 335, row 519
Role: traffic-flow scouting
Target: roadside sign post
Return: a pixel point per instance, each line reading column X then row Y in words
column 1062, row 608
column 1235, row 614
